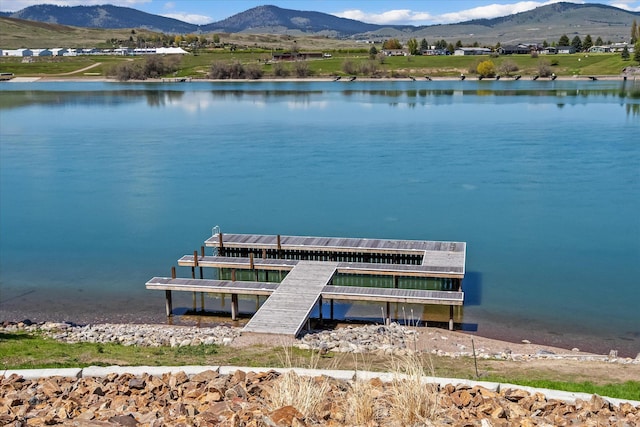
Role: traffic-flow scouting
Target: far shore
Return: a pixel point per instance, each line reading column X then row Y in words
column 344, row 79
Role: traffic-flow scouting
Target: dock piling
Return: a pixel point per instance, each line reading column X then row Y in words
column 234, row 306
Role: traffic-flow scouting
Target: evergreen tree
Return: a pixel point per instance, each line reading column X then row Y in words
column 450, row 48
column 625, row 54
column 545, row 44
column 458, row 44
column 577, row 44
column 636, row 52
column 424, row 45
column 634, row 32
column 587, row 42
column 564, row 40
column 373, row 52
column 599, row 41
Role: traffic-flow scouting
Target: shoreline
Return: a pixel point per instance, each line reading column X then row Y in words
column 431, row 339
column 434, row 338
column 101, row 79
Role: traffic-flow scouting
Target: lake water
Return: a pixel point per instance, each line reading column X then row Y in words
column 105, row 185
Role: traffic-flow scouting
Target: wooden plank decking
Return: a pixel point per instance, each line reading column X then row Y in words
column 344, row 293
column 287, row 309
column 343, row 244
column 437, row 256
column 407, row 296
column 211, row 286
column 442, row 270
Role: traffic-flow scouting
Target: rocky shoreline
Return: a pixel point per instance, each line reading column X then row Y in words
column 272, row 398
column 393, row 339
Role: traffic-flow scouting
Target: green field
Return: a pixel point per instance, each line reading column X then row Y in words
column 341, row 63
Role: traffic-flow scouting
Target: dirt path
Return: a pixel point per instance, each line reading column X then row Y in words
column 97, row 64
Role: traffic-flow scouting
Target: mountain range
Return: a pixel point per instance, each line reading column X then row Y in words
column 543, row 23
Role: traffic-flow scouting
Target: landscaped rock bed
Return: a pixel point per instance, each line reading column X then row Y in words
column 254, row 399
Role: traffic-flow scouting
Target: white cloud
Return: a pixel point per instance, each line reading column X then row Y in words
column 189, row 17
column 630, row 5
column 169, row 5
column 400, row 16
column 412, row 17
column 16, row 5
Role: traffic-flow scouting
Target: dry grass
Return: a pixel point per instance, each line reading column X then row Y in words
column 410, row 400
column 306, row 394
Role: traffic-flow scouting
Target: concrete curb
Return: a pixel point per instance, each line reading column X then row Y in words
column 103, row 371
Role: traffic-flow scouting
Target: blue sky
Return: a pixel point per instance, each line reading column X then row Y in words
column 411, row 12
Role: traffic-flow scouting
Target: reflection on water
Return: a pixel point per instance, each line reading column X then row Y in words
column 158, row 95
column 363, row 311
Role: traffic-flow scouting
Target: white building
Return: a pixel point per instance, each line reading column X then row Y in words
column 464, row 51
column 17, row 52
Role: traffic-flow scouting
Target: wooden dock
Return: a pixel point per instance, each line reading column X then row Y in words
column 309, row 264
column 288, row 308
column 410, row 270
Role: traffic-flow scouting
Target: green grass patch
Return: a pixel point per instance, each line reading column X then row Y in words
column 24, row 351
column 627, row 390
column 198, row 66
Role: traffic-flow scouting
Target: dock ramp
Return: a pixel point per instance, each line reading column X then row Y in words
column 288, row 308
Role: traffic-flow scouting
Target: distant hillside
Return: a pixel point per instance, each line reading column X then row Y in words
column 106, row 16
column 270, row 18
column 16, row 33
column 543, row 23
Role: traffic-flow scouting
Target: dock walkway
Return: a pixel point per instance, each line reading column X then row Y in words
column 289, row 306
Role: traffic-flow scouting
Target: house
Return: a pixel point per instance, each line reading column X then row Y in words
column 17, row 52
column 42, row 52
column 59, row 51
column 394, row 52
column 514, row 50
column 565, row 49
column 435, row 52
column 599, row 49
column 171, row 51
column 123, row 51
column 465, row 51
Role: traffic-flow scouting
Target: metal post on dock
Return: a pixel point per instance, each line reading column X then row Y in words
column 234, row 306
column 195, row 264
column 279, row 246
column 388, row 319
column 167, row 294
column 451, row 318
column 202, row 255
column 220, row 245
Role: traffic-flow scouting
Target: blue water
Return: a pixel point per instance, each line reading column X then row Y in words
column 104, row 185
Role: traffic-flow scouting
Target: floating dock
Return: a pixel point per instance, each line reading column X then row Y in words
column 310, row 266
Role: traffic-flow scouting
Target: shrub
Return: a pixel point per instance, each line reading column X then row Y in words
column 154, row 66
column 507, row 67
column 544, row 68
column 236, row 70
column 301, row 69
column 219, row 70
column 349, row 67
column 279, row 70
column 486, row 69
column 368, row 68
column 254, row 72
